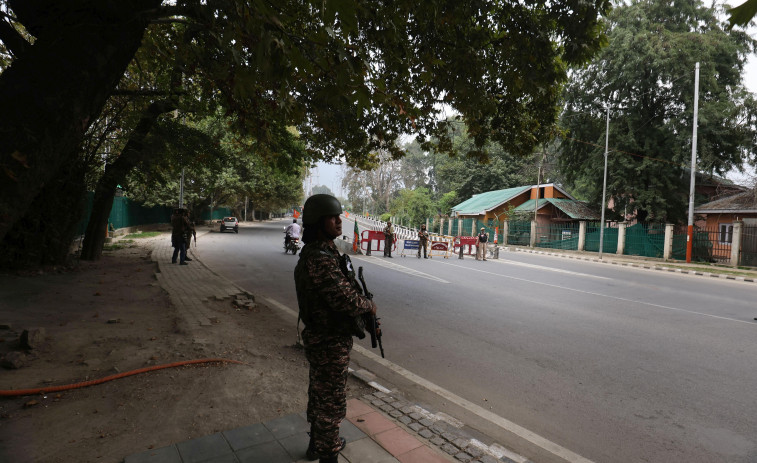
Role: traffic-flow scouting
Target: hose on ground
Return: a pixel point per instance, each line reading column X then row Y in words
column 66, row 387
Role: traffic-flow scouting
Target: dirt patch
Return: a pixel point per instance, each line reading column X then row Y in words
column 110, row 317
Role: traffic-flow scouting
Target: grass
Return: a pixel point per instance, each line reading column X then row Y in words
column 151, row 234
column 710, row 269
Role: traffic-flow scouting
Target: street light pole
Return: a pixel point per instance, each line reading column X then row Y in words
column 604, row 185
column 690, row 229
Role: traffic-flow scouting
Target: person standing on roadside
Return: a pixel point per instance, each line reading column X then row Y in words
column 423, row 238
column 331, row 305
column 179, row 227
column 388, row 239
column 190, row 232
column 481, row 240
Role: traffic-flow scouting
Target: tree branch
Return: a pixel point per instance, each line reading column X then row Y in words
column 13, row 40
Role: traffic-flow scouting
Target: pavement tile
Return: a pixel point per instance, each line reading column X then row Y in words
column 397, row 441
column 162, row 455
column 422, row 454
column 248, row 436
column 267, row 452
column 357, row 407
column 367, row 451
column 230, row 458
column 373, row 423
column 296, row 445
column 350, row 432
column 203, row 448
column 287, row 425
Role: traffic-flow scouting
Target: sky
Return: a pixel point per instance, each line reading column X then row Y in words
column 330, row 175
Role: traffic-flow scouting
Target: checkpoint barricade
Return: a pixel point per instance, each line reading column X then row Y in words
column 413, row 246
column 465, row 242
column 371, row 241
column 440, row 246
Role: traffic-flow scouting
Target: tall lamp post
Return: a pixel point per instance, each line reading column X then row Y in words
column 690, row 228
column 604, row 185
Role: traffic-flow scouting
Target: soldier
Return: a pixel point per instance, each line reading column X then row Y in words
column 179, row 227
column 423, row 238
column 388, row 239
column 481, row 240
column 330, row 305
column 189, row 232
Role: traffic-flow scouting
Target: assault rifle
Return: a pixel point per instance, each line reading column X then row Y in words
column 372, row 324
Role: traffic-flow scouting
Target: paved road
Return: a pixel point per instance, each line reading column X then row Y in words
column 616, row 364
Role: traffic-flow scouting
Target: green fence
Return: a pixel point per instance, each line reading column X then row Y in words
column 557, row 236
column 519, row 232
column 645, row 239
column 609, row 238
column 703, row 246
column 748, row 252
column 218, row 213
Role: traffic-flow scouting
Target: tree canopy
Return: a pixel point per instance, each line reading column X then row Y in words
column 351, row 76
column 646, row 76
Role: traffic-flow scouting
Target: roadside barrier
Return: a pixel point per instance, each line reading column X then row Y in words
column 463, row 243
column 371, row 240
column 440, row 245
column 410, row 245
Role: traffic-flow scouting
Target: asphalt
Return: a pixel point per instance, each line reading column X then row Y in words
column 380, row 427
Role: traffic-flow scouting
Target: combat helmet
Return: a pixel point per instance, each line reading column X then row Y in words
column 320, row 205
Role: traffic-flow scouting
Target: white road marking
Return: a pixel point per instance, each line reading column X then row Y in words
column 493, row 418
column 400, row 268
column 549, row 269
column 659, row 306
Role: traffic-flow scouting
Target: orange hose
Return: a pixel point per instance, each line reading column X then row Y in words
column 42, row 390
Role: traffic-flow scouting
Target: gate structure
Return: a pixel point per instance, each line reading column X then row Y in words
column 371, row 240
column 748, row 253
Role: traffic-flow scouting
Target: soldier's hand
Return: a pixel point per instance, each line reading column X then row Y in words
column 373, row 308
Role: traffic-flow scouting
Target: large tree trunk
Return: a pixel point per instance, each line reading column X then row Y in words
column 56, row 87
column 44, row 235
column 132, row 155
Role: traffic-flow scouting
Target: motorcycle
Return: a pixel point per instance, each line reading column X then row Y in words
column 294, row 246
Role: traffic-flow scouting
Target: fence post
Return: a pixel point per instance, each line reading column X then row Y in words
column 581, row 235
column 459, row 227
column 532, row 242
column 621, row 238
column 668, row 246
column 449, row 226
column 736, row 243
column 504, row 232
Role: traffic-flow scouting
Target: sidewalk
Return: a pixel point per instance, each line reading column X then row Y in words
column 379, row 428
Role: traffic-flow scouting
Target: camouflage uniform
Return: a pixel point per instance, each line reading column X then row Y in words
column 388, row 239
column 179, row 224
column 329, row 303
column 423, row 242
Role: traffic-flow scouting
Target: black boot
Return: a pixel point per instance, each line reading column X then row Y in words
column 311, row 453
column 332, row 459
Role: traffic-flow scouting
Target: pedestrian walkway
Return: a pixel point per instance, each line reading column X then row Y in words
column 372, row 435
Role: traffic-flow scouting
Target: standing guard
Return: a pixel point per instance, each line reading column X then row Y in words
column 331, row 306
column 423, row 238
column 481, row 240
column 388, row 239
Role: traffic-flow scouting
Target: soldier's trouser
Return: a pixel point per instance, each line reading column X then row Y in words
column 388, row 246
column 327, row 397
column 481, row 251
column 423, row 245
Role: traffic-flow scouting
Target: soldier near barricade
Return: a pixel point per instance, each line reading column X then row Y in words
column 179, row 227
column 423, row 238
column 481, row 240
column 331, row 306
column 388, row 239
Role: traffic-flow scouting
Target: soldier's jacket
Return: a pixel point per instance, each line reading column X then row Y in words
column 329, row 301
column 389, row 231
column 179, row 226
column 423, row 235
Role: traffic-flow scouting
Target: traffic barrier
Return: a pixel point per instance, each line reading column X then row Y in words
column 369, row 237
column 440, row 246
column 461, row 242
column 411, row 245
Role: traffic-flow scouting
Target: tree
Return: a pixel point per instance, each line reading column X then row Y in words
column 322, row 190
column 351, row 77
column 413, row 206
column 742, row 14
column 646, row 75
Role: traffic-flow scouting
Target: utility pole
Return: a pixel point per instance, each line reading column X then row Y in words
column 538, row 180
column 690, row 229
column 604, row 184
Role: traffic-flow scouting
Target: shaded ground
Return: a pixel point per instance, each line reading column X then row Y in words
column 111, row 316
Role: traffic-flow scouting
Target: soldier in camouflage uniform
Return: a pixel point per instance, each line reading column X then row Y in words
column 331, row 304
